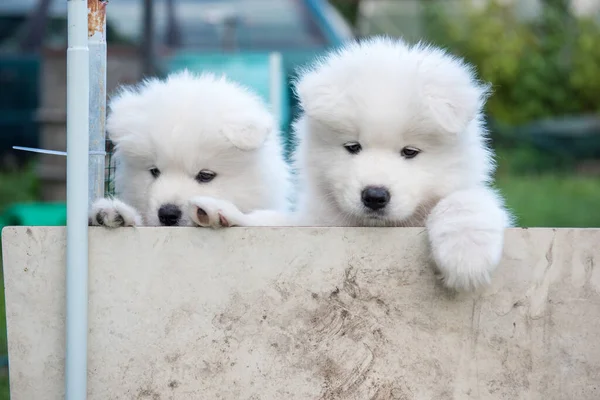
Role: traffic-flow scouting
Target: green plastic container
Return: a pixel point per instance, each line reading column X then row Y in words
column 35, row 214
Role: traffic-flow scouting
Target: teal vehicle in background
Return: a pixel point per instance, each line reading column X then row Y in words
column 263, row 72
column 259, row 43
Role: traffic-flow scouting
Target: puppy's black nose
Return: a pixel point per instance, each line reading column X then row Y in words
column 375, row 198
column 169, row 214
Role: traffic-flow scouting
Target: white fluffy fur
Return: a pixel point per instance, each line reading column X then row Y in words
column 183, row 125
column 386, row 95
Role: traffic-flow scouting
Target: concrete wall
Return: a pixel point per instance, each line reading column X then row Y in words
column 331, row 313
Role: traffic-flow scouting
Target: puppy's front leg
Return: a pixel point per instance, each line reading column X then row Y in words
column 217, row 213
column 113, row 213
column 466, row 233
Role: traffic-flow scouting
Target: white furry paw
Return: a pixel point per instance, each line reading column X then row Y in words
column 214, row 213
column 113, row 213
column 466, row 234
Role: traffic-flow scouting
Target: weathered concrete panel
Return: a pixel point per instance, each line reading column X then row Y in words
column 333, row 313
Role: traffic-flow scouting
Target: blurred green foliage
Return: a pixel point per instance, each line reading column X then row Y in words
column 544, row 66
column 348, row 9
column 18, row 186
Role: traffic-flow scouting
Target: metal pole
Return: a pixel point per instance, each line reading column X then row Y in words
column 173, row 36
column 78, row 79
column 36, row 26
column 148, row 39
column 97, row 46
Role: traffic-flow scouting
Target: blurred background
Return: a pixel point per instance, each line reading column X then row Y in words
column 542, row 57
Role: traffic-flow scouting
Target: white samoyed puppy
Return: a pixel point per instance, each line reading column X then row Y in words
column 392, row 135
column 185, row 136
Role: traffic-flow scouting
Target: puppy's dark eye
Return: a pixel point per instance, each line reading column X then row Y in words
column 155, row 172
column 409, row 152
column 353, row 147
column 205, row 176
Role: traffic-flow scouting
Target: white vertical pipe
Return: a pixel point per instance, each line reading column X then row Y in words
column 97, row 46
column 77, row 200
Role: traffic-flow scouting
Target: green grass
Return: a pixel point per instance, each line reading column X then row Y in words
column 18, row 186
column 549, row 200
column 543, row 189
column 4, row 386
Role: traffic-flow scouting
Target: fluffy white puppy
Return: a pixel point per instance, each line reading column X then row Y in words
column 188, row 136
column 392, row 135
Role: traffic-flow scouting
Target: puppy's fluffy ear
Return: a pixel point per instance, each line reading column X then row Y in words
column 127, row 111
column 249, row 131
column 127, row 123
column 321, row 100
column 452, row 95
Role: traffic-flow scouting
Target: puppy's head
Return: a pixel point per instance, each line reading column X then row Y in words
column 190, row 136
column 388, row 128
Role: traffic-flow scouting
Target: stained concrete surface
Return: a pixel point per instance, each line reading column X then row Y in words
column 328, row 313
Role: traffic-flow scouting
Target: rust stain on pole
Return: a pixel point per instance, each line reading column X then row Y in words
column 96, row 16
